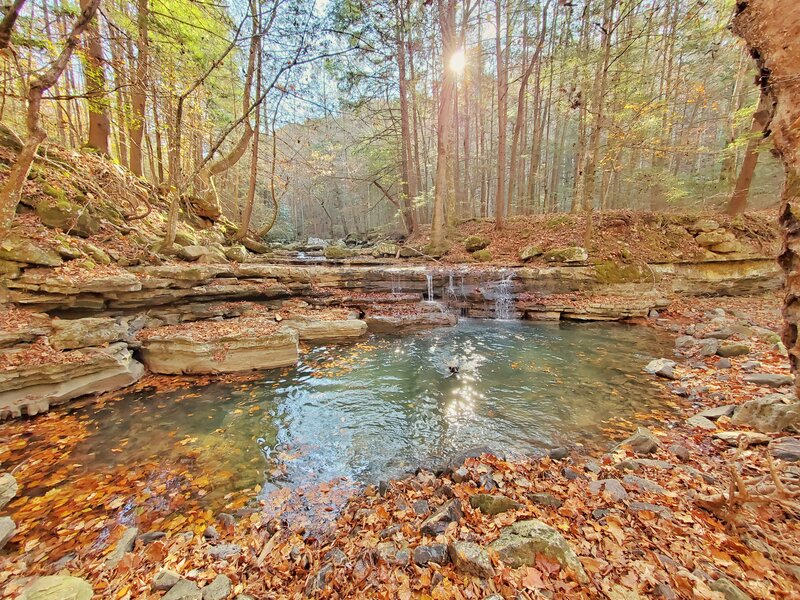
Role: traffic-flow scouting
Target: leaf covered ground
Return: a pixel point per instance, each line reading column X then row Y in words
column 697, row 510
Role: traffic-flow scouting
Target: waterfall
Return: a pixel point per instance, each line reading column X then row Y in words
column 504, row 299
column 429, row 277
column 454, row 295
column 395, row 283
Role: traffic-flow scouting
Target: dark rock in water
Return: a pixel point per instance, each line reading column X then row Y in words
column 471, row 558
column 663, row 367
column 433, row 553
column 558, row 453
column 436, row 524
column 493, row 504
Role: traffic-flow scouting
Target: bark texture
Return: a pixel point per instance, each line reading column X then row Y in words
column 771, row 29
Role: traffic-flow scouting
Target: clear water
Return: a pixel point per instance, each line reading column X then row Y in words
column 388, row 405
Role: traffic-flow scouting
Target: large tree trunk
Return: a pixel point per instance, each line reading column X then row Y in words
column 501, row 54
column 408, row 180
column 771, row 29
column 738, row 201
column 139, row 92
column 95, row 74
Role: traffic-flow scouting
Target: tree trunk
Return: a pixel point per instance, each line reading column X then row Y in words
column 139, row 91
column 95, row 82
column 501, row 55
column 771, row 29
column 406, row 169
column 738, row 201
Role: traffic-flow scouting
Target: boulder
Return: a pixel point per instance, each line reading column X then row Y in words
column 32, row 388
column 62, row 214
column 164, row 580
column 192, row 253
column 184, row 590
column 19, row 249
column 237, row 254
column 314, row 330
column 519, row 544
column 9, row 138
column 8, row 489
column 432, row 553
column 769, row 379
column 768, row 414
column 641, row 442
column 572, row 254
column 482, row 255
column 476, row 242
column 82, row 333
column 729, row 349
column 7, row 530
column 468, row 557
column 711, row 238
column 436, row 524
column 407, row 323
column 490, row 504
column 703, row 226
column 234, row 350
column 530, row 252
column 218, row 589
column 58, row 587
column 385, row 249
column 786, row 448
column 728, row 247
column 338, row 253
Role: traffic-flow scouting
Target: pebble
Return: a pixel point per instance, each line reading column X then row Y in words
column 433, row 553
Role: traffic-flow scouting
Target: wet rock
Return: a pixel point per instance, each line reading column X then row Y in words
column 490, row 504
column 436, row 524
column 519, row 544
column 7, row 530
column 123, row 546
column 184, row 590
column 768, row 414
column 476, row 242
column 642, row 442
column 612, row 487
column 224, row 551
column 558, row 453
column 786, row 448
column 572, row 254
column 732, row 437
column 701, row 423
column 545, row 499
column 717, row 412
column 8, row 489
column 663, row 367
column 218, row 589
column 728, row 589
column 320, row 580
column 644, row 484
column 661, row 511
column 769, row 379
column 58, row 587
column 728, row 349
column 392, row 554
column 471, row 558
column 432, row 553
column 164, row 580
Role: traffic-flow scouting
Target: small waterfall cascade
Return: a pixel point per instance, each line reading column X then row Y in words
column 429, row 277
column 504, row 298
column 454, row 292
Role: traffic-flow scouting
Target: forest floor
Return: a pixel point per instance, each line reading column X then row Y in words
column 691, row 518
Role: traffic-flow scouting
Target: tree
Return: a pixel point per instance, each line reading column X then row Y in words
column 761, row 118
column 95, row 76
column 12, row 189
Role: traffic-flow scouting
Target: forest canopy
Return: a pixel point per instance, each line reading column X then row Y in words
column 384, row 116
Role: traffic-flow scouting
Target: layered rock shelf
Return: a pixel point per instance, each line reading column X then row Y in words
column 89, row 329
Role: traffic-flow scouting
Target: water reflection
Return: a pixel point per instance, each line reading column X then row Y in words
column 377, row 409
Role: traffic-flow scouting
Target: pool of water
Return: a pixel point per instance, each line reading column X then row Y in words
column 385, row 406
